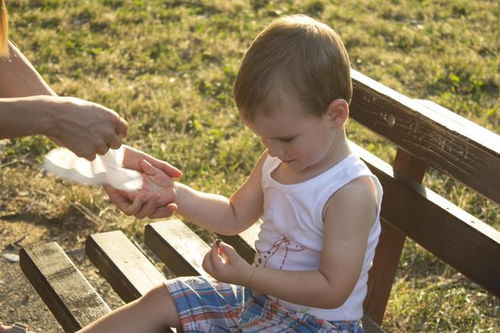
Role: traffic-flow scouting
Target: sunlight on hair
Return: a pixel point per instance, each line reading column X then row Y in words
column 4, row 30
column 296, row 57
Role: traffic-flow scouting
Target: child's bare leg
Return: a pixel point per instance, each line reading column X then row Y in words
column 153, row 312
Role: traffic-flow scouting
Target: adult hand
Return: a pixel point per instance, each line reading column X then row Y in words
column 141, row 205
column 225, row 264
column 84, row 127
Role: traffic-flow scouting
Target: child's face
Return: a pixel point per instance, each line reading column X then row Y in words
column 300, row 140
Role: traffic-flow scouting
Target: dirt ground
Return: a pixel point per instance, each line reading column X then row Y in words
column 19, row 302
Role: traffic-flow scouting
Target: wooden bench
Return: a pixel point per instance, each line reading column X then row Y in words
column 426, row 135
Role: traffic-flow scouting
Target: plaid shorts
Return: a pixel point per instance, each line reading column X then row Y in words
column 206, row 305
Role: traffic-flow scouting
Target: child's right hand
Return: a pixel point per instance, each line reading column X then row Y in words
column 156, row 197
column 159, row 186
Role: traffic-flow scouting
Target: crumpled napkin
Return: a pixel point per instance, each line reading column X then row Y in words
column 104, row 169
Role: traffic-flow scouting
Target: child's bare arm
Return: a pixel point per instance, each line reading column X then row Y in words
column 348, row 219
column 220, row 214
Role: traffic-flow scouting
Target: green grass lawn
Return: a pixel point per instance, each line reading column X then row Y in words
column 168, row 68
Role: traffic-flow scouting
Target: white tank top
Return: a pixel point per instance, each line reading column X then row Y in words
column 291, row 235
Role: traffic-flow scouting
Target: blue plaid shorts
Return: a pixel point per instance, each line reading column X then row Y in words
column 206, row 305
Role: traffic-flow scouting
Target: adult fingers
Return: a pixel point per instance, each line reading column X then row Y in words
column 121, row 128
column 89, row 157
column 160, row 213
column 102, row 148
column 122, row 201
column 114, row 141
column 132, row 209
column 116, row 197
column 86, row 154
column 172, row 207
column 148, row 208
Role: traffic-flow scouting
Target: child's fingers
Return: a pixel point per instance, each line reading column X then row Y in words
column 166, row 168
column 163, row 211
column 217, row 255
column 207, row 263
column 228, row 252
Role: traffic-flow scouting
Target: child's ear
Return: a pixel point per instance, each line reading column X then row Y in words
column 338, row 112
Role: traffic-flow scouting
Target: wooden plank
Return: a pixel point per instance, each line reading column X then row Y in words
column 443, row 139
column 390, row 246
column 177, row 246
column 370, row 326
column 458, row 238
column 383, row 271
column 123, row 265
column 68, row 295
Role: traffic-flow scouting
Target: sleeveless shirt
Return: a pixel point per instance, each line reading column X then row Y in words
column 291, row 235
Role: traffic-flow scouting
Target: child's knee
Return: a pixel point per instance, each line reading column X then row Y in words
column 160, row 305
column 158, row 297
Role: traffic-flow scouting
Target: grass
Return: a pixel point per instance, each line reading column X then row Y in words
column 168, row 68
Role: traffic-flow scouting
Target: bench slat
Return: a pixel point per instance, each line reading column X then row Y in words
column 168, row 231
column 68, row 295
column 177, row 246
column 123, row 265
column 390, row 246
column 458, row 238
column 443, row 139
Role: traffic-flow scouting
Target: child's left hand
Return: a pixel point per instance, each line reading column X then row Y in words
column 226, row 265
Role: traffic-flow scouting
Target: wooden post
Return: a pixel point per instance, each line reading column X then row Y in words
column 390, row 244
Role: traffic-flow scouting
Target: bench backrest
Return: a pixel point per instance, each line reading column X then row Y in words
column 428, row 135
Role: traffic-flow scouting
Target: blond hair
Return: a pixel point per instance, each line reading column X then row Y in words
column 295, row 56
column 4, row 30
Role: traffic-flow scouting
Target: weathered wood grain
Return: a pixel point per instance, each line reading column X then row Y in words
column 123, row 265
column 177, row 246
column 458, row 238
column 441, row 138
column 68, row 295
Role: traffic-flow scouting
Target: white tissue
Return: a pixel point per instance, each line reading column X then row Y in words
column 104, row 169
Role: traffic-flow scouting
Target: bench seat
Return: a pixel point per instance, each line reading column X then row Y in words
column 126, row 267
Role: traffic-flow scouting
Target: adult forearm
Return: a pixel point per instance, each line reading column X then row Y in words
column 210, row 211
column 18, row 77
column 308, row 288
column 24, row 116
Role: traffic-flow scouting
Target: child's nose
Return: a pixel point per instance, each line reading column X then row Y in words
column 275, row 148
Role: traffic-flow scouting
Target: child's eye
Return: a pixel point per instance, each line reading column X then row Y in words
column 287, row 140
